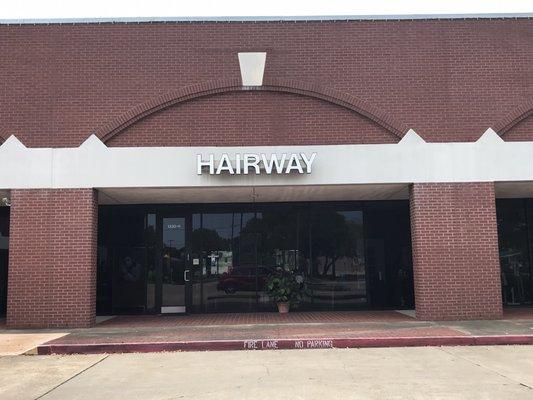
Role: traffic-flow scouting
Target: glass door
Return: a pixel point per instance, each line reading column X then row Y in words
column 174, row 274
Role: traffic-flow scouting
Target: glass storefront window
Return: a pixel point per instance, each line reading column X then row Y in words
column 514, row 243
column 337, row 277
column 129, row 282
column 151, row 243
column 350, row 255
column 4, row 248
column 277, row 230
column 227, row 261
column 122, row 260
column 388, row 255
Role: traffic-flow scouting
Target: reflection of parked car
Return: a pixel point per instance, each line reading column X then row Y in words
column 244, row 278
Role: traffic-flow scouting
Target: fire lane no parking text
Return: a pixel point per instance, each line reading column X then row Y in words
column 290, row 344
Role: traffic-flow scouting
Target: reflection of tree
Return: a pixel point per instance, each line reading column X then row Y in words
column 277, row 230
column 277, row 234
column 333, row 237
column 204, row 239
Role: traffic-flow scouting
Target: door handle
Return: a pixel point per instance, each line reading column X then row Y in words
column 185, row 278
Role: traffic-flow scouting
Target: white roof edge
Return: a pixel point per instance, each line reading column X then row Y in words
column 264, row 18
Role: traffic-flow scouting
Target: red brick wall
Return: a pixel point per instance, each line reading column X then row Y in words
column 455, row 251
column 52, row 258
column 253, row 118
column 447, row 79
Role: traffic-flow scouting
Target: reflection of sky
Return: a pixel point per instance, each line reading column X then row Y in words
column 227, row 225
column 4, row 242
column 352, row 215
column 150, row 220
column 174, row 236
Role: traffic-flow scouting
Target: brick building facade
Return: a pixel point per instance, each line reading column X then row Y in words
column 77, row 98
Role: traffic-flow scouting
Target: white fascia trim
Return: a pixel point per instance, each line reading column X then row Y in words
column 94, row 165
column 305, row 18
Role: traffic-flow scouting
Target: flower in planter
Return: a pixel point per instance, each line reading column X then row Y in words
column 285, row 287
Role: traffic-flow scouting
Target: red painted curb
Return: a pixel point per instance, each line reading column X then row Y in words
column 280, row 344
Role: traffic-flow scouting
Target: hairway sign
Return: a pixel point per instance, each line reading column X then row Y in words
column 256, row 163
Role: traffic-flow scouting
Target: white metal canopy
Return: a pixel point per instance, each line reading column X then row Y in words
column 373, row 170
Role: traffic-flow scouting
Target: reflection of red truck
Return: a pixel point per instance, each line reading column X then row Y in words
column 244, row 278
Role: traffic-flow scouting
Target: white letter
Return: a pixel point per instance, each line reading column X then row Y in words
column 224, row 165
column 308, row 162
column 254, row 163
column 237, row 163
column 274, row 162
column 210, row 164
column 294, row 163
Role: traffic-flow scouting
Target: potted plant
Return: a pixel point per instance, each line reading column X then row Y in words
column 285, row 288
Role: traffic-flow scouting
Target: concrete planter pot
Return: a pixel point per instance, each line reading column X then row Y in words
column 283, row 308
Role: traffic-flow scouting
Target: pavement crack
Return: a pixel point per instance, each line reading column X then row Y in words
column 72, row 377
column 486, row 368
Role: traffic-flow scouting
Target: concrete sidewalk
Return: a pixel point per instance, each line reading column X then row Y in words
column 501, row 372
column 303, row 330
column 19, row 343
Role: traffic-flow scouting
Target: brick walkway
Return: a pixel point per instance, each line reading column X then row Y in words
column 148, row 333
column 316, row 317
column 292, row 331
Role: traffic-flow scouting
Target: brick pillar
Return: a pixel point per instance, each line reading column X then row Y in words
column 52, row 258
column 455, row 251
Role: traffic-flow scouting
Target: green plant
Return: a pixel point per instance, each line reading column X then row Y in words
column 285, row 287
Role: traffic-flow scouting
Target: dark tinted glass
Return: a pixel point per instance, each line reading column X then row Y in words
column 129, row 283
column 122, row 260
column 514, row 250
column 350, row 255
column 277, row 234
column 388, row 254
column 227, row 261
column 151, row 250
column 4, row 247
column 337, row 277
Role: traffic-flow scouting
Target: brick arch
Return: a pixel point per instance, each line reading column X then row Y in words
column 117, row 125
column 525, row 110
column 3, row 137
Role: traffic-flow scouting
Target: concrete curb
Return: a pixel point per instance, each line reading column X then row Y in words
column 282, row 344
